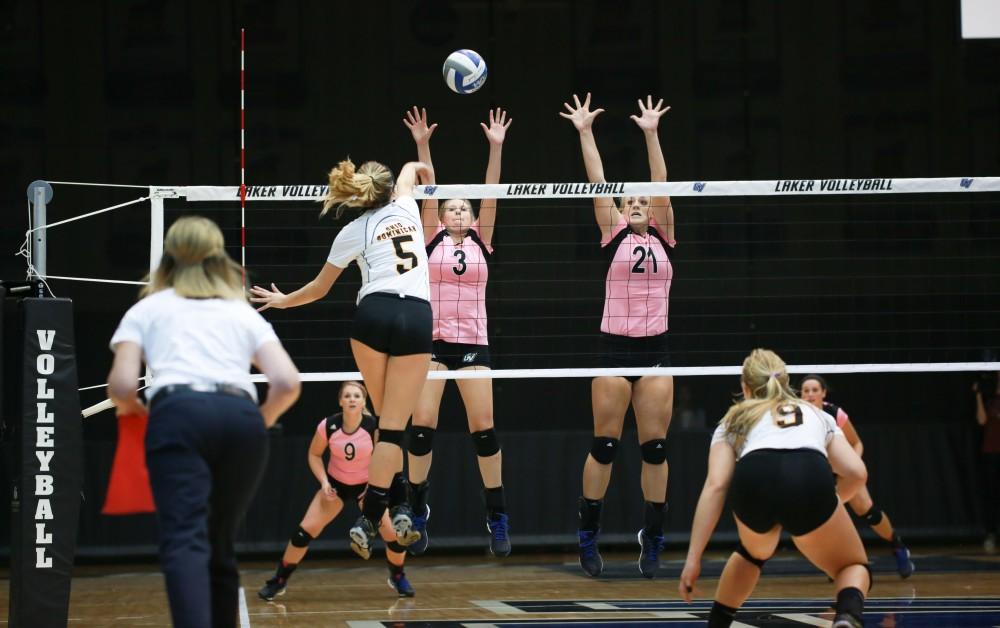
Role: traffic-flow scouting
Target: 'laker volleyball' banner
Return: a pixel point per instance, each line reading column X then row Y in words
column 46, row 506
column 781, row 187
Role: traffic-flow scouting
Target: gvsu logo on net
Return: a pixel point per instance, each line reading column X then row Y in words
column 699, row 186
column 966, row 183
column 429, row 190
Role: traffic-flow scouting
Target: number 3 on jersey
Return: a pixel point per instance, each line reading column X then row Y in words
column 406, row 256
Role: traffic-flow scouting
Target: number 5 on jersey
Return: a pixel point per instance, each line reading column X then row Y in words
column 409, row 257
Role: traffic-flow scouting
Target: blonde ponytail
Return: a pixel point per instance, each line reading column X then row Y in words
column 369, row 186
column 765, row 375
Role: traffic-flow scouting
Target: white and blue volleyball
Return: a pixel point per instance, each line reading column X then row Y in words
column 464, row 71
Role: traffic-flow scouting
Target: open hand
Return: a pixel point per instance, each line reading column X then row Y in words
column 581, row 116
column 416, row 121
column 497, row 130
column 270, row 298
column 649, row 117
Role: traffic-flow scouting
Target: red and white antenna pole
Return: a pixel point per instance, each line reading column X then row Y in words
column 243, row 159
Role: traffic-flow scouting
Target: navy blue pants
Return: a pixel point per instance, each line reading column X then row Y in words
column 206, row 453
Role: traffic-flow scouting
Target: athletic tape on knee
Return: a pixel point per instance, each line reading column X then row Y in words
column 873, row 517
column 603, row 449
column 485, row 442
column 421, row 440
column 395, row 547
column 654, row 451
column 301, row 538
column 391, row 436
column 742, row 551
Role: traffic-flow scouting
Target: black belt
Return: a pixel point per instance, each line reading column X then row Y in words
column 222, row 389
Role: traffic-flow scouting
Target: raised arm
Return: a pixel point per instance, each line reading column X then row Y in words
column 648, row 120
column 408, row 177
column 605, row 210
column 721, row 463
column 496, row 132
column 416, row 121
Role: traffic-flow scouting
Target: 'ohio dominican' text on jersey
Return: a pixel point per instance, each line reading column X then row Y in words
column 458, row 275
column 637, row 289
column 386, row 244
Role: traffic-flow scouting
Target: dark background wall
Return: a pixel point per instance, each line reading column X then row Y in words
column 147, row 93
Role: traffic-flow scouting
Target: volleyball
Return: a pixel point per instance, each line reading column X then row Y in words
column 464, row 71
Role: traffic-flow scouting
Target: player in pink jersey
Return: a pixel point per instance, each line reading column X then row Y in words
column 638, row 237
column 349, row 436
column 458, row 250
column 814, row 391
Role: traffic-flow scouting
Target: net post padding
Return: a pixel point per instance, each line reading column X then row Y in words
column 49, row 466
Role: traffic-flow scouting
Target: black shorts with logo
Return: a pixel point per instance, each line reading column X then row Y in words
column 347, row 492
column 457, row 355
column 793, row 488
column 625, row 352
column 394, row 324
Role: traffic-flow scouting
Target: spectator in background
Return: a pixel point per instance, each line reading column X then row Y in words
column 987, row 393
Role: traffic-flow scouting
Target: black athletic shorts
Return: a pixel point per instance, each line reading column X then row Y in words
column 347, row 492
column 624, row 352
column 793, row 488
column 393, row 324
column 456, row 355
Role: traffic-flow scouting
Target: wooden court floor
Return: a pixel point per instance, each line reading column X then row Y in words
column 952, row 587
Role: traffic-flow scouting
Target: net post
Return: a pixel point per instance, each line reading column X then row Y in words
column 155, row 229
column 39, row 195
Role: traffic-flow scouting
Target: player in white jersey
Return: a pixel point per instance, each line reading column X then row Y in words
column 391, row 333
column 776, row 455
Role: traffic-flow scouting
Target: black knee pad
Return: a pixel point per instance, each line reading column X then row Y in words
column 485, row 442
column 301, row 538
column 742, row 551
column 873, row 517
column 421, row 440
column 603, row 449
column 391, row 436
column 395, row 546
column 654, row 451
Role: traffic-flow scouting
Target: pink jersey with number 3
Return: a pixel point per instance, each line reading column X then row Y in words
column 350, row 453
column 637, row 289
column 458, row 275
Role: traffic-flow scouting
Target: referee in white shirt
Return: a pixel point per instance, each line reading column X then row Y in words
column 206, row 444
column 776, row 455
column 391, row 333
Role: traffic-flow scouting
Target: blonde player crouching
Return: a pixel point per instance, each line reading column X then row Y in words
column 350, row 436
column 776, row 455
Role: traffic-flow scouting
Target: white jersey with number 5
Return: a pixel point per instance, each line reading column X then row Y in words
column 807, row 428
column 388, row 244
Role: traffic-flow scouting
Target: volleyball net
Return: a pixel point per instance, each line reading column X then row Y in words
column 836, row 275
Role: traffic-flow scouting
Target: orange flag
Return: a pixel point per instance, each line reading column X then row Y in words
column 128, row 489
